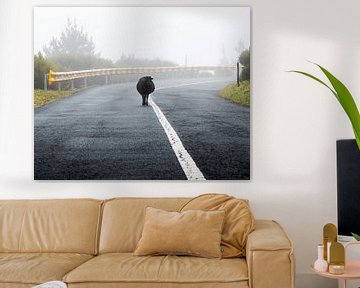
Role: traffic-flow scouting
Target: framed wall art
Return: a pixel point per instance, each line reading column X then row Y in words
column 142, row 93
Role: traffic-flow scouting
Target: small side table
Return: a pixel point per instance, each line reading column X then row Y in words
column 352, row 269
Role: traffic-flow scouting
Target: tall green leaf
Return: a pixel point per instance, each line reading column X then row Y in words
column 357, row 237
column 344, row 97
column 347, row 102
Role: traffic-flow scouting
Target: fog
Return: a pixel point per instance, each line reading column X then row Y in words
column 195, row 35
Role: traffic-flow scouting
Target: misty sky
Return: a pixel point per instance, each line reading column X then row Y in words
column 203, row 34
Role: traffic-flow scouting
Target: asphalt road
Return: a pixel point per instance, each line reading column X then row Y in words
column 105, row 133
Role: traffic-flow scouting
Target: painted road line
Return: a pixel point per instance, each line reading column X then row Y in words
column 188, row 165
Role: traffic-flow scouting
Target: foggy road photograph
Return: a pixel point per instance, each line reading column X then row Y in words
column 142, row 93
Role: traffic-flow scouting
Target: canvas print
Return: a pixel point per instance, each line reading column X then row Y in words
column 142, row 93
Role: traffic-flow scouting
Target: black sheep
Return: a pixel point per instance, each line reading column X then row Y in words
column 145, row 86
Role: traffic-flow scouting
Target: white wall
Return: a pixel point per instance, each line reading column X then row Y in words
column 294, row 122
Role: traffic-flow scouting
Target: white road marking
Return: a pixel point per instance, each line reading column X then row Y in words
column 188, row 165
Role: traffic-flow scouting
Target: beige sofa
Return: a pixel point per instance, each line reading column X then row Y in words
column 89, row 243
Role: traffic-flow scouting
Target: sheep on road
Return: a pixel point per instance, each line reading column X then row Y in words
column 145, row 86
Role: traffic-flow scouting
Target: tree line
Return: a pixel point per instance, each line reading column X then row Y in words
column 75, row 50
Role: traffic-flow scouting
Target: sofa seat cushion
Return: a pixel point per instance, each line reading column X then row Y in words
column 36, row 268
column 125, row 267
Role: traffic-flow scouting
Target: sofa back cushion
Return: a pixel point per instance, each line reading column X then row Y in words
column 66, row 226
column 238, row 224
column 123, row 220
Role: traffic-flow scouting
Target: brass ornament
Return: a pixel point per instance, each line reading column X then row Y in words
column 330, row 236
column 337, row 254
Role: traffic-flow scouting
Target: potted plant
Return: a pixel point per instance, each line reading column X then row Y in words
column 348, row 186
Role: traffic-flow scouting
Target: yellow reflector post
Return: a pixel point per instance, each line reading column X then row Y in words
column 51, row 78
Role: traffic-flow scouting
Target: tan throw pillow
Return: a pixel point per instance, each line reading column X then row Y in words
column 239, row 220
column 196, row 233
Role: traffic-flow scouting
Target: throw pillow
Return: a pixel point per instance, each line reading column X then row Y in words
column 238, row 224
column 196, row 233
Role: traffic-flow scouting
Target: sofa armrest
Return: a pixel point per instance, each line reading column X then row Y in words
column 269, row 256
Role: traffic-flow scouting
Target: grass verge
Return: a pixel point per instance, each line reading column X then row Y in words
column 239, row 95
column 42, row 97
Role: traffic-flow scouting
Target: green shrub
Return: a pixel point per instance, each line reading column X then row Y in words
column 41, row 67
column 244, row 60
column 42, row 97
column 239, row 95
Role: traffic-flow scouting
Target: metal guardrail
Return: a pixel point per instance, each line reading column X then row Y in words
column 53, row 77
